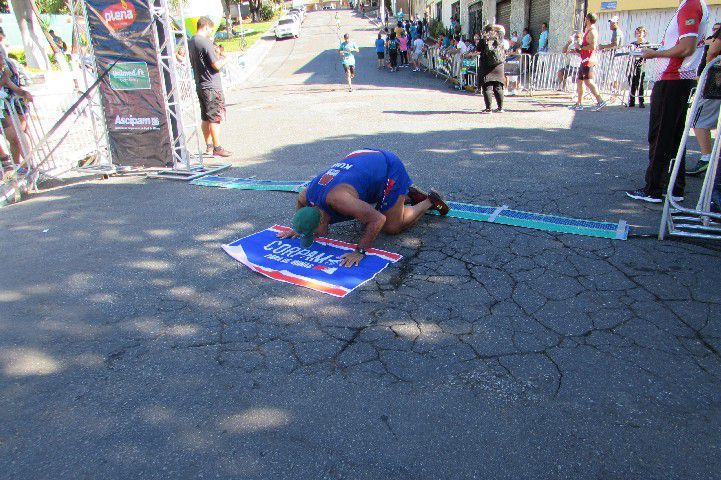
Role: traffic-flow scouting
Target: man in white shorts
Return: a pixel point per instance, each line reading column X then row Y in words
column 418, row 46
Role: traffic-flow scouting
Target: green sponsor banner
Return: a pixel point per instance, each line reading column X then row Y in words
column 130, row 76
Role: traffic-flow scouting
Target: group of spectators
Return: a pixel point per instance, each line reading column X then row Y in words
column 392, row 45
column 12, row 96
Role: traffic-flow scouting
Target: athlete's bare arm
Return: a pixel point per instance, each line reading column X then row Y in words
column 684, row 48
column 345, row 201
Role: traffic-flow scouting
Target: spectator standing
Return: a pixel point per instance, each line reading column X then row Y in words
column 418, row 47
column 526, row 41
column 616, row 35
column 206, row 65
column 574, row 62
column 674, row 70
column 346, row 50
column 393, row 46
column 59, row 42
column 706, row 45
column 515, row 42
column 586, row 72
column 426, row 31
column 706, row 117
column 638, row 77
column 399, row 29
column 492, row 56
column 403, row 43
column 380, row 50
column 543, row 38
column 16, row 96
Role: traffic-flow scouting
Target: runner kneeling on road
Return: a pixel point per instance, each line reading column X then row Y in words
column 369, row 185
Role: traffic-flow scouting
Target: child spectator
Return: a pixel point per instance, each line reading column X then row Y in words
column 403, row 42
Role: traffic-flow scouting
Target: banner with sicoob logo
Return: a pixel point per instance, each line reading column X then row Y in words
column 132, row 94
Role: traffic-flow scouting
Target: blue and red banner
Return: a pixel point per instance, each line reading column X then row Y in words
column 316, row 267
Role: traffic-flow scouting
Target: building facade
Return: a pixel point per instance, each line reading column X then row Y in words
column 560, row 15
column 652, row 14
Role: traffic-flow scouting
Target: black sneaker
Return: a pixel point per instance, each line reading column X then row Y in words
column 699, row 168
column 643, row 196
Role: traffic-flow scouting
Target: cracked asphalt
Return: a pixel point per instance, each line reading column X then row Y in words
column 131, row 346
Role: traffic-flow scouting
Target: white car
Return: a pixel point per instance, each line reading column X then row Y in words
column 288, row 26
column 298, row 12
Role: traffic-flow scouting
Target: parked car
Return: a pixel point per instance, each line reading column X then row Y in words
column 288, row 26
column 298, row 12
column 296, row 15
column 327, row 7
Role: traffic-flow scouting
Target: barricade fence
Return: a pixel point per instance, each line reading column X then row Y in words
column 48, row 137
column 464, row 71
column 615, row 71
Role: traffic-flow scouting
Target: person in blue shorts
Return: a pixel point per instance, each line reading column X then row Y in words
column 368, row 185
column 380, row 50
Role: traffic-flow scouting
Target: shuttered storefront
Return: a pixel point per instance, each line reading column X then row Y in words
column 503, row 15
column 475, row 21
column 539, row 12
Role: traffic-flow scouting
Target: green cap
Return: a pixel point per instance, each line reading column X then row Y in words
column 305, row 222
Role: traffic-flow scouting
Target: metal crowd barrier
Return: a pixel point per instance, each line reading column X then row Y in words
column 46, row 139
column 614, row 72
column 699, row 221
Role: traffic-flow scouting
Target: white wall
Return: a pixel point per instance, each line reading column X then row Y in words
column 655, row 22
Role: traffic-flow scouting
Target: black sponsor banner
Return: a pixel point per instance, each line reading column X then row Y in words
column 132, row 93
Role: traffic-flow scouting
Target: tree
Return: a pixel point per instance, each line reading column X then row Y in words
column 228, row 22
column 255, row 9
column 31, row 34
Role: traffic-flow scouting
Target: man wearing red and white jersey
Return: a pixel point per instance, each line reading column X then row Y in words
column 675, row 66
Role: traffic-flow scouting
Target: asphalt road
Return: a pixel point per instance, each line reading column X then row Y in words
column 131, row 346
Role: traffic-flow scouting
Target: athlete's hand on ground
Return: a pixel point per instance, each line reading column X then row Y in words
column 351, row 259
column 289, row 234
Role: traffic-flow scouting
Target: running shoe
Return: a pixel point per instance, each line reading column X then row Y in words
column 577, row 107
column 209, row 149
column 499, row 110
column 416, row 195
column 438, row 203
column 600, row 105
column 487, row 110
column 221, row 152
column 643, row 196
column 697, row 169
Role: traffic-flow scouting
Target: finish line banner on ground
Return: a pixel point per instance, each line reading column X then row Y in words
column 316, row 267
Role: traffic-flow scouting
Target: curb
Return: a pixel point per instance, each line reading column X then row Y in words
column 247, row 63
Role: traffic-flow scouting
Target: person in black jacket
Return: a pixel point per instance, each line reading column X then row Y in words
column 491, row 72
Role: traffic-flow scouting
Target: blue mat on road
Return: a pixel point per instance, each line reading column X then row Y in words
column 466, row 211
column 250, row 183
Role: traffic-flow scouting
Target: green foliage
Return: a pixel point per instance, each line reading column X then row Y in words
column 52, row 6
column 18, row 55
column 266, row 12
column 436, row 28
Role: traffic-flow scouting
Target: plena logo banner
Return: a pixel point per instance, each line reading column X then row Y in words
column 119, row 15
column 316, row 267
